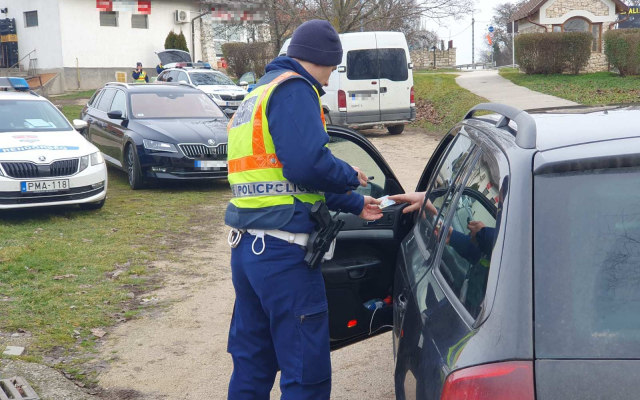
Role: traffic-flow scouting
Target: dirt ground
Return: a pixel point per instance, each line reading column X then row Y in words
column 178, row 351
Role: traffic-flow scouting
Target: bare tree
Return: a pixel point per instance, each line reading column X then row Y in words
column 502, row 41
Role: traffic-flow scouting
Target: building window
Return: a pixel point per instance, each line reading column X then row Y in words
column 579, row 24
column 140, row 21
column 30, row 19
column 108, row 18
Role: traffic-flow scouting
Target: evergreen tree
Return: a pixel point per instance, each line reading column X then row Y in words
column 170, row 41
column 181, row 42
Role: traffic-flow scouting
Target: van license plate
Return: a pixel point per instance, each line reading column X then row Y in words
column 44, row 186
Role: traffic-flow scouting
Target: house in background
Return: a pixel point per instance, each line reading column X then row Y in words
column 79, row 44
column 594, row 16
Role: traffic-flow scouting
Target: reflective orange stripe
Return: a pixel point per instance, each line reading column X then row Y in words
column 249, row 163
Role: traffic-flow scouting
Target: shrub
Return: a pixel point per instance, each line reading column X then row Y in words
column 181, row 42
column 170, row 41
column 622, row 48
column 553, row 52
column 175, row 41
column 245, row 57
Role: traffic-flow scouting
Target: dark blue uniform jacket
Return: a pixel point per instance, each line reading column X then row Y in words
column 295, row 124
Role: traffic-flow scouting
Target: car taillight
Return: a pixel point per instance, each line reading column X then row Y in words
column 342, row 100
column 502, row 381
column 413, row 97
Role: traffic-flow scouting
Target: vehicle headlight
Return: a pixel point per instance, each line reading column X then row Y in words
column 84, row 163
column 159, row 146
column 96, row 158
column 215, row 96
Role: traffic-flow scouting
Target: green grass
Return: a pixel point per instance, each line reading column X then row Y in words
column 589, row 89
column 450, row 102
column 72, row 112
column 85, row 94
column 133, row 229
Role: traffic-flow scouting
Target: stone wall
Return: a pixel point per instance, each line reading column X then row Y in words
column 423, row 58
column 561, row 7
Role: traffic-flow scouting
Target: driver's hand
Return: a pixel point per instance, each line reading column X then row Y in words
column 415, row 201
column 362, row 177
column 371, row 211
column 475, row 227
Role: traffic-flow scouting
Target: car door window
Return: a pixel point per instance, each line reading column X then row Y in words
column 356, row 156
column 182, row 77
column 93, row 100
column 161, row 77
column 362, row 64
column 173, row 76
column 393, row 64
column 119, row 103
column 106, row 99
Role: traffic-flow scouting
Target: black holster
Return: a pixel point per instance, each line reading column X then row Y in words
column 320, row 240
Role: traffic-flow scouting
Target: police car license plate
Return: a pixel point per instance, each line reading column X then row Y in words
column 233, row 103
column 210, row 165
column 44, row 186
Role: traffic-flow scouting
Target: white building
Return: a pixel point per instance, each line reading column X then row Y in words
column 85, row 47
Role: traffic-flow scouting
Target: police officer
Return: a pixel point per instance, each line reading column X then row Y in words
column 139, row 75
column 279, row 166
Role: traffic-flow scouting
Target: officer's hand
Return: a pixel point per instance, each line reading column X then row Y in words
column 362, row 177
column 371, row 211
column 475, row 227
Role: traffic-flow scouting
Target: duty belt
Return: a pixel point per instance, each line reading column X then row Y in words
column 271, row 188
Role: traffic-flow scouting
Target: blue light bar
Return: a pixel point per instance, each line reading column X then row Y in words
column 207, row 65
column 17, row 84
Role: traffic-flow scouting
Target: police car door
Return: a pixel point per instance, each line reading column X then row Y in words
column 364, row 264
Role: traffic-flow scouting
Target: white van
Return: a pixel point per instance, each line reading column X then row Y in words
column 374, row 83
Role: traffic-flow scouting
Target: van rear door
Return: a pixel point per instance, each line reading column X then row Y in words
column 360, row 84
column 396, row 79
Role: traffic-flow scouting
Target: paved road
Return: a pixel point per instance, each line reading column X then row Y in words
column 497, row 89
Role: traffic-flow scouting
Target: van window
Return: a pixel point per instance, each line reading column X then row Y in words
column 362, row 64
column 393, row 64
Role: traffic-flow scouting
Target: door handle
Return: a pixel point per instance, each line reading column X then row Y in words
column 401, row 304
column 383, row 90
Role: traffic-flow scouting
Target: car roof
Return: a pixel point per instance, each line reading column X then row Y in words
column 13, row 95
column 152, row 88
column 576, row 125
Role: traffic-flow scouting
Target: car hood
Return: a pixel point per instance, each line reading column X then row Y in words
column 185, row 130
column 222, row 89
column 31, row 146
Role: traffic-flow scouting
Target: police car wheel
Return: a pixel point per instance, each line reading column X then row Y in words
column 395, row 129
column 92, row 206
column 133, row 168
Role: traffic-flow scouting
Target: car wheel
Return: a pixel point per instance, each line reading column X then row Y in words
column 133, row 168
column 92, row 206
column 395, row 129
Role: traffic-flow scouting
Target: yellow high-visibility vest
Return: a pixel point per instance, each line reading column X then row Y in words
column 255, row 173
column 141, row 78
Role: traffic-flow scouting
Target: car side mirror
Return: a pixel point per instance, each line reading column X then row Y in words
column 59, row 107
column 243, row 83
column 115, row 114
column 410, row 65
column 229, row 112
column 342, row 69
column 79, row 124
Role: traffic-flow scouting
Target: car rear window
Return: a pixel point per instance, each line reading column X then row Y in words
column 30, row 115
column 587, row 264
column 377, row 64
column 174, row 105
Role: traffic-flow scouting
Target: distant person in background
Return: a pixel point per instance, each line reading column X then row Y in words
column 159, row 68
column 139, row 76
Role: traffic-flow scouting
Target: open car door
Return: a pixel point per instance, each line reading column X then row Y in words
column 364, row 264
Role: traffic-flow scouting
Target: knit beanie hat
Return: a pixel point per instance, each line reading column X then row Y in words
column 317, row 42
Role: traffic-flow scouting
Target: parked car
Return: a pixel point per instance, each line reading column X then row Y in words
column 542, row 302
column 248, row 81
column 43, row 159
column 171, row 131
column 374, row 83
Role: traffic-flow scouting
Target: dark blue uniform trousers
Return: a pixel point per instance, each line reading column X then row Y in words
column 280, row 321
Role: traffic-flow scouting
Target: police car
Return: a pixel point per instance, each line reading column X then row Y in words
column 215, row 84
column 43, row 159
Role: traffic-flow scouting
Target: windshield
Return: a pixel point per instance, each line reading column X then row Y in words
column 174, row 105
column 31, row 115
column 587, row 264
column 210, row 78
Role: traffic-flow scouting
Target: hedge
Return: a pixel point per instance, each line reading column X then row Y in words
column 622, row 48
column 553, row 52
column 245, row 57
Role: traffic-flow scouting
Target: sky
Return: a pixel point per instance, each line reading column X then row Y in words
column 460, row 30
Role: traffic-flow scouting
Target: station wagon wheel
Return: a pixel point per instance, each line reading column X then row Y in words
column 395, row 129
column 133, row 168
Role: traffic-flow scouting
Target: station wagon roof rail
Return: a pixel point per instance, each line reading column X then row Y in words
column 526, row 125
